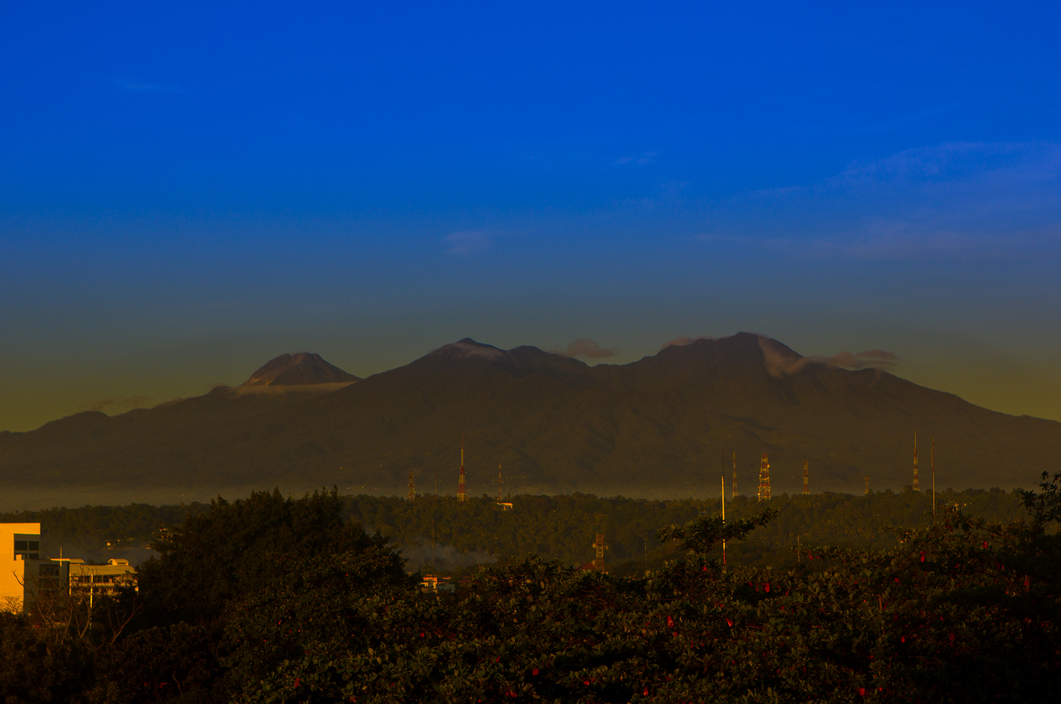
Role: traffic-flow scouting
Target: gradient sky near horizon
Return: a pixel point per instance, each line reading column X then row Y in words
column 188, row 190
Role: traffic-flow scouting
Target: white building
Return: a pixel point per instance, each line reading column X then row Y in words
column 24, row 577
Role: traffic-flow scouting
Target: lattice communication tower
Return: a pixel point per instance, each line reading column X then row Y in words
column 764, row 479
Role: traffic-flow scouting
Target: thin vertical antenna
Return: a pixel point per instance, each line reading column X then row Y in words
column 917, row 482
column 412, row 486
column 932, row 464
column 733, row 487
column 867, row 485
column 462, row 490
column 723, row 508
column 806, row 478
column 500, row 485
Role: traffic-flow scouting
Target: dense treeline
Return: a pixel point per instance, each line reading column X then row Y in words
column 272, row 599
column 563, row 527
column 559, row 527
column 135, row 525
column 279, row 600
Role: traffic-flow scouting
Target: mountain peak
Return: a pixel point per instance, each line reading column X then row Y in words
column 779, row 359
column 302, row 369
column 470, row 348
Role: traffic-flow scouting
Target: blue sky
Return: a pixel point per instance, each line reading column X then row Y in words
column 188, row 190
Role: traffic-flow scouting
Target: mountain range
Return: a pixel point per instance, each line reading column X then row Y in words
column 666, row 425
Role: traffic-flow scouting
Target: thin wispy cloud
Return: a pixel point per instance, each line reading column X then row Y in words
column 113, row 406
column 468, row 242
column 585, row 348
column 875, row 359
column 900, row 121
column 953, row 201
column 646, row 158
column 134, row 86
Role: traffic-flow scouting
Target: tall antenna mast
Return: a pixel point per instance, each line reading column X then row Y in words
column 500, row 485
column 867, row 485
column 723, row 467
column 733, row 487
column 723, row 510
column 412, row 486
column 764, row 479
column 932, row 464
column 917, row 483
column 806, row 478
column 462, row 490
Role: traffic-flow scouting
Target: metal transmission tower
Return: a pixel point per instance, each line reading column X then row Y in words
column 600, row 547
column 806, row 478
column 462, row 490
column 764, row 479
column 917, row 482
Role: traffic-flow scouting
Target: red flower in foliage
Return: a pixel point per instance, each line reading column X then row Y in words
column 861, row 691
column 534, row 671
column 670, row 622
column 922, row 557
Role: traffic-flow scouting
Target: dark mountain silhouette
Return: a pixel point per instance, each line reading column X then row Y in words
column 655, row 427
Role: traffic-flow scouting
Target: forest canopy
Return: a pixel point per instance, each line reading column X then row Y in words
column 274, row 599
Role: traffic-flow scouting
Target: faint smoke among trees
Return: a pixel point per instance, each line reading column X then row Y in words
column 442, row 557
